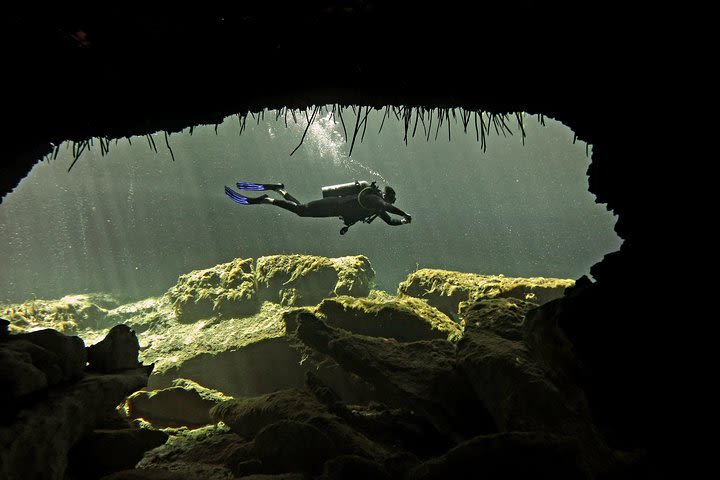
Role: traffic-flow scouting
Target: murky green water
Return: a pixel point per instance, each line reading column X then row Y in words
column 131, row 221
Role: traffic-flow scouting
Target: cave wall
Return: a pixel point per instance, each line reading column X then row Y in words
column 115, row 72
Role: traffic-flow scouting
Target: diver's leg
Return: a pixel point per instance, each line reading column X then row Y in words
column 327, row 207
column 278, row 187
column 295, row 207
column 287, row 196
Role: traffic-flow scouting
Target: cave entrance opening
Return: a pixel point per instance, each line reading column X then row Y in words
column 131, row 215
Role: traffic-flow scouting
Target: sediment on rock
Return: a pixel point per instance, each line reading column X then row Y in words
column 447, row 290
column 185, row 404
column 305, row 280
column 405, row 319
column 226, row 290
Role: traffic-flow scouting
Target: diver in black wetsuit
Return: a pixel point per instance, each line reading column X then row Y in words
column 352, row 202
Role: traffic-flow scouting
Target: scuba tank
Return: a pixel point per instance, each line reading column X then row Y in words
column 345, row 189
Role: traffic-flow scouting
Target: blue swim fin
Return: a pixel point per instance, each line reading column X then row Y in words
column 259, row 187
column 242, row 199
column 236, row 197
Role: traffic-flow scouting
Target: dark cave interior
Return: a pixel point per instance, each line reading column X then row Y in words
column 75, row 75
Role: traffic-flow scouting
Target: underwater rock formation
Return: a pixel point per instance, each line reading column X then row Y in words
column 305, row 280
column 238, row 288
column 68, row 315
column 381, row 386
column 51, row 402
column 292, row 431
column 117, row 351
column 184, row 404
column 506, row 455
column 420, row 375
column 105, row 451
column 32, row 362
column 502, row 316
column 446, row 290
column 406, row 319
column 226, row 290
column 238, row 356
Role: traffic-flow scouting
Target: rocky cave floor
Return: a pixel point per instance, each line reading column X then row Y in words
column 294, row 367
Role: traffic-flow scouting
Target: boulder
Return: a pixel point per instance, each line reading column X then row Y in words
column 36, row 442
column 406, row 319
column 290, row 446
column 67, row 315
column 446, row 290
column 513, row 387
column 225, row 290
column 506, row 455
column 421, row 376
column 502, row 316
column 184, row 404
column 243, row 356
column 211, row 449
column 248, row 416
column 69, row 351
column 19, row 375
column 153, row 312
column 304, row 280
column 105, row 451
column 352, row 467
column 117, row 351
column 238, row 356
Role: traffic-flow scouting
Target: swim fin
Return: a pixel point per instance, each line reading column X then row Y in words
column 242, row 199
column 259, row 187
column 236, row 197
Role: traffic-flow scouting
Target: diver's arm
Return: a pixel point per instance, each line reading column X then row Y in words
column 391, row 221
column 389, row 207
column 377, row 203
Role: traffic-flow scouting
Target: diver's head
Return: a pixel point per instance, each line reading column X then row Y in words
column 389, row 194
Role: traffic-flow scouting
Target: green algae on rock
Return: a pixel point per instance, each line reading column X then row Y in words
column 226, row 290
column 502, row 316
column 206, row 351
column 186, row 403
column 404, row 318
column 66, row 315
column 238, row 288
column 447, row 290
column 304, row 280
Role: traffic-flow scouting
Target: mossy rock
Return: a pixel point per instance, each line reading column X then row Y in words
column 67, row 315
column 247, row 416
column 186, row 403
column 304, row 280
column 502, row 316
column 225, row 290
column 406, row 319
column 447, row 290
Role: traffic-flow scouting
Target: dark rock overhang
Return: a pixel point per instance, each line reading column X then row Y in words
column 74, row 75
column 116, row 72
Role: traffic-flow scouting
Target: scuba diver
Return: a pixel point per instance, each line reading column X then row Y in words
column 352, row 202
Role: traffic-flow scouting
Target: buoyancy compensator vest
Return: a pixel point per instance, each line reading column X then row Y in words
column 355, row 188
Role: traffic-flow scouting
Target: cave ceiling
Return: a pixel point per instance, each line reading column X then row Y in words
column 117, row 71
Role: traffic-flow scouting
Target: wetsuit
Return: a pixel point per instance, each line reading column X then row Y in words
column 350, row 209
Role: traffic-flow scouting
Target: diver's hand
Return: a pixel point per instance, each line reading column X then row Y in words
column 406, row 219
